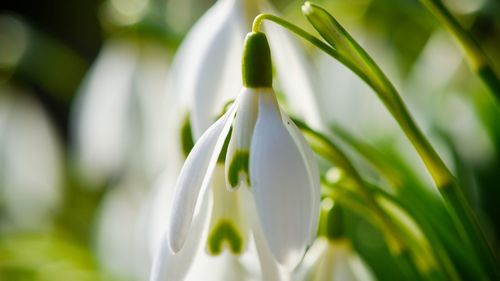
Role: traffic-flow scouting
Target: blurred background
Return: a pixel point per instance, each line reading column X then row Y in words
column 79, row 121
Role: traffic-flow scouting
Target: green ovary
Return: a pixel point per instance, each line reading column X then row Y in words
column 225, row 232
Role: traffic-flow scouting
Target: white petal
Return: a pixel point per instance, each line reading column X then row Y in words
column 117, row 229
column 270, row 269
column 218, row 268
column 195, row 177
column 30, row 162
column 241, row 138
column 100, row 114
column 340, row 262
column 312, row 170
column 281, row 185
column 157, row 210
column 309, row 264
column 149, row 94
column 196, row 73
column 207, row 79
column 170, row 266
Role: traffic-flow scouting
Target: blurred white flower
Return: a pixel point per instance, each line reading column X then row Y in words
column 118, row 230
column 118, row 132
column 333, row 260
column 30, row 163
column 117, row 115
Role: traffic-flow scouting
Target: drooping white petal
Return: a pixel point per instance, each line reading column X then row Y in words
column 175, row 266
column 208, row 78
column 225, row 266
column 101, row 112
column 196, row 75
column 338, row 262
column 117, row 229
column 149, row 86
column 312, row 170
column 308, row 266
column 347, row 265
column 280, row 182
column 269, row 267
column 157, row 210
column 239, row 147
column 30, row 162
column 195, row 177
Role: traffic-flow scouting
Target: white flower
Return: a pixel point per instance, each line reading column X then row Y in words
column 116, row 116
column 117, row 119
column 205, row 72
column 118, row 230
column 334, row 260
column 30, row 163
column 267, row 155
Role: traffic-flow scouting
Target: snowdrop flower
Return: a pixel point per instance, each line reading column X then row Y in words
column 205, row 72
column 116, row 116
column 117, row 119
column 267, row 155
column 331, row 257
column 334, row 260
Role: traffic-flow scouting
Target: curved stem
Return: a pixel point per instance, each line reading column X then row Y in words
column 311, row 39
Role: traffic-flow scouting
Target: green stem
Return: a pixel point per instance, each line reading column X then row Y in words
column 311, row 39
column 475, row 55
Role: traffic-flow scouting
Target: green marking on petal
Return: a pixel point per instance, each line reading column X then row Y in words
column 187, row 140
column 238, row 164
column 223, row 152
column 225, row 232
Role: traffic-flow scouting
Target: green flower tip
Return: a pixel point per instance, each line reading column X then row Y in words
column 307, row 8
column 257, row 66
column 324, row 23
